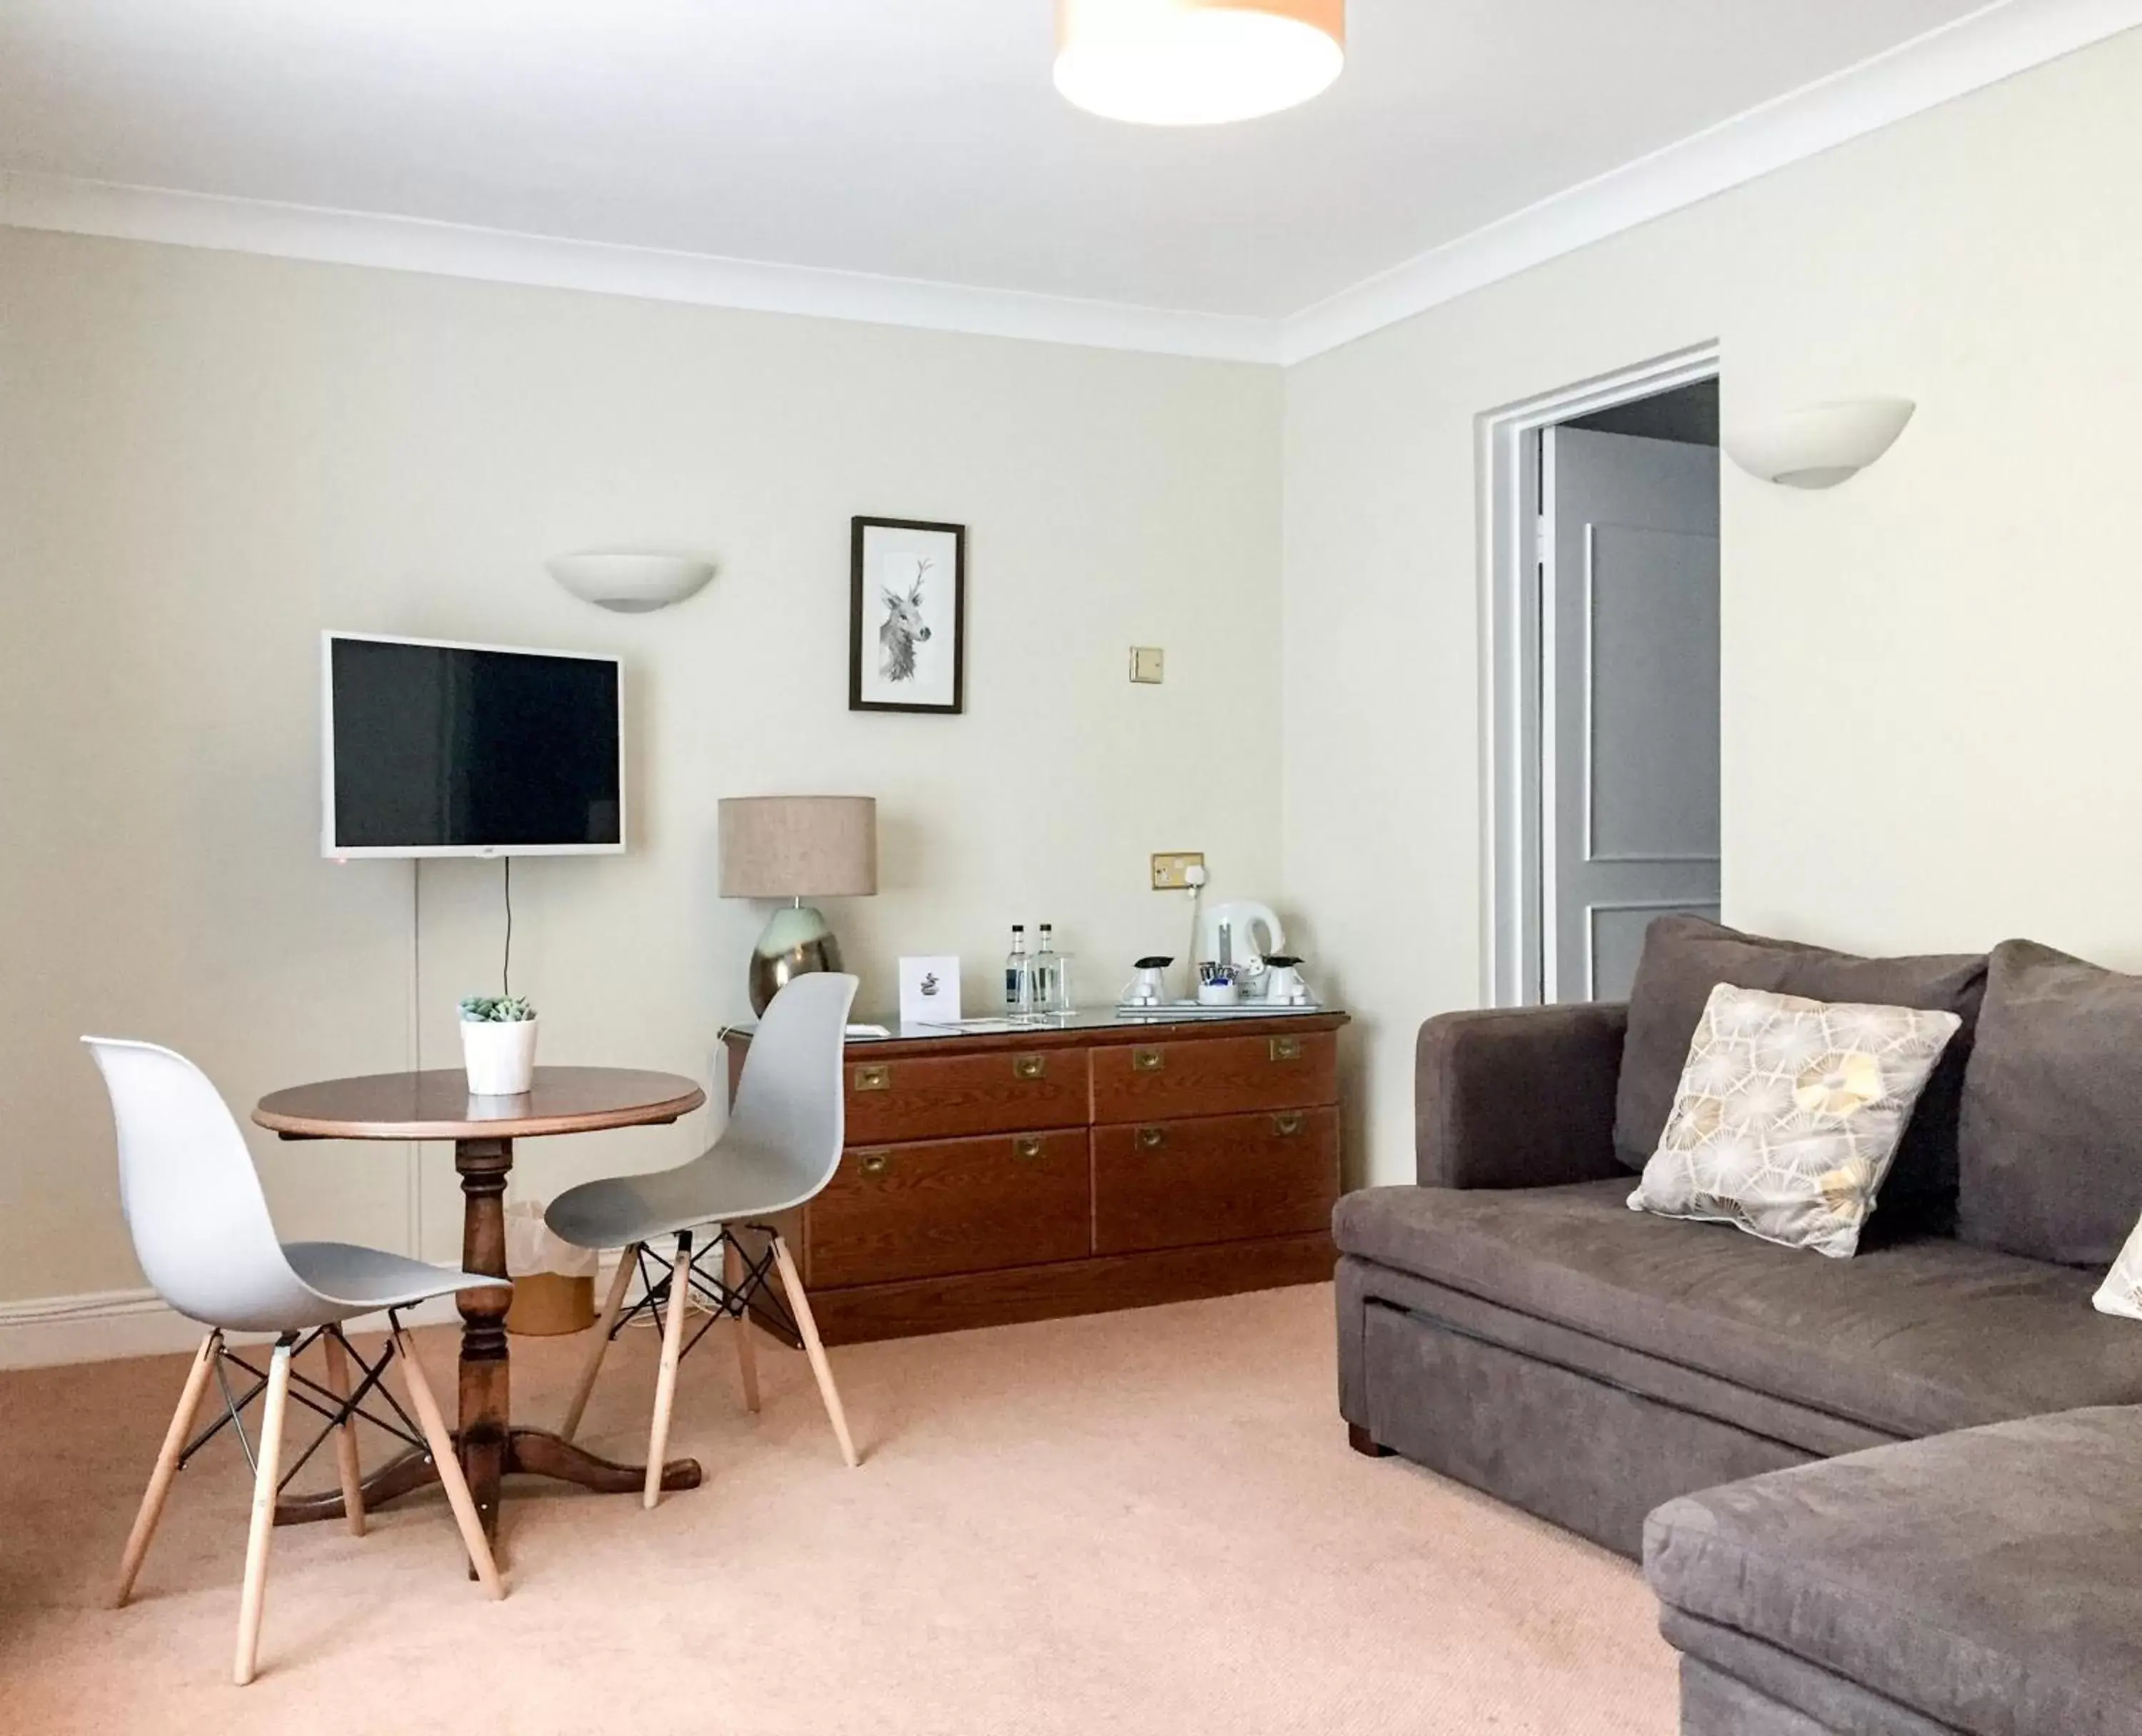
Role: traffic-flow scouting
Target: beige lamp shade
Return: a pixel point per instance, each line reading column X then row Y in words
column 799, row 846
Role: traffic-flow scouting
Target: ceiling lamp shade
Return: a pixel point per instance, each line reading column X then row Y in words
column 628, row 582
column 1819, row 446
column 1196, row 62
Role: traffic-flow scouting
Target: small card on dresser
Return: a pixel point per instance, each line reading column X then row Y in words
column 929, row 991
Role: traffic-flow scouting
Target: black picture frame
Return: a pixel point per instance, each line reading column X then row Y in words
column 859, row 613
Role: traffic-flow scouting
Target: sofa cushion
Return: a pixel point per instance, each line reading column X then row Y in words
column 2049, row 1140
column 1789, row 1114
column 1909, row 1338
column 1990, row 1579
column 1685, row 957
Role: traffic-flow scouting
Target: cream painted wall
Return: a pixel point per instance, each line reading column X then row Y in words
column 1931, row 726
column 209, row 458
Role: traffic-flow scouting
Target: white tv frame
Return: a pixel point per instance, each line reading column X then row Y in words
column 331, row 850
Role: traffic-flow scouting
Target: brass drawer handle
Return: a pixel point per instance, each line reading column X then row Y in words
column 1145, row 1060
column 1028, row 1145
column 875, row 1162
column 1152, row 1138
column 1029, row 1067
column 1286, row 1048
column 873, row 1078
column 1288, row 1124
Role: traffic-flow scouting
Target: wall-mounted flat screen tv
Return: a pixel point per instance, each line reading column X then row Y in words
column 433, row 749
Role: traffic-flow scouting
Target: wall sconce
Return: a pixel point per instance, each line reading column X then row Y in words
column 1819, row 446
column 629, row 581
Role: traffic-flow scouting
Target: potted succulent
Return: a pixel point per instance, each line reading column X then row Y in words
column 498, row 1044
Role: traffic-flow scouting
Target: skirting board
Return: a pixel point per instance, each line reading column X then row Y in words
column 106, row 1325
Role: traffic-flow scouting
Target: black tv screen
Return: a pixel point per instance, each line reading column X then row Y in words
column 435, row 749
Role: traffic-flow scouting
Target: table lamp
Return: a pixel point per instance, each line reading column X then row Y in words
column 797, row 847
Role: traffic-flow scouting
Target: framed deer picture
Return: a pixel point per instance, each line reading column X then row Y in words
column 907, row 604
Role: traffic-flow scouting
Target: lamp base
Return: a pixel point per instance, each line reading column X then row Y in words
column 797, row 939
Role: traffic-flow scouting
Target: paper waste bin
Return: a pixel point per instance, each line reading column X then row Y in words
column 554, row 1282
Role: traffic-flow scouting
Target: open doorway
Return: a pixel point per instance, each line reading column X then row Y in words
column 1601, row 676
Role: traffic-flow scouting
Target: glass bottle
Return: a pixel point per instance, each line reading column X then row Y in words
column 1018, row 972
column 1046, row 967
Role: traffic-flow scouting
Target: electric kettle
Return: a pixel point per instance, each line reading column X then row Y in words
column 1241, row 933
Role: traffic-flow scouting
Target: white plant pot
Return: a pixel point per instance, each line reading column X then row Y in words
column 501, row 1058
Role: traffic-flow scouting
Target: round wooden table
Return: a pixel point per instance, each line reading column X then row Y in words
column 437, row 1106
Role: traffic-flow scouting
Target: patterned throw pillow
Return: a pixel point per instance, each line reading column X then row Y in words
column 2121, row 1292
column 1790, row 1113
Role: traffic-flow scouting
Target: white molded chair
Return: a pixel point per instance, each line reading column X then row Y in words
column 781, row 1146
column 201, row 1230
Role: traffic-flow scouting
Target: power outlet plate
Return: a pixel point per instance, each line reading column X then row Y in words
column 1171, row 868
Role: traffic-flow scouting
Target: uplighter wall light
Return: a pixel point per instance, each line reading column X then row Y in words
column 1196, row 62
column 1818, row 445
column 630, row 581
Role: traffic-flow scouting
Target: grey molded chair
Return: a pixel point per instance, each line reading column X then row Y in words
column 201, row 1230
column 781, row 1146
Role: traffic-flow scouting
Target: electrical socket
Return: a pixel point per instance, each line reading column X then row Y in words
column 1171, row 868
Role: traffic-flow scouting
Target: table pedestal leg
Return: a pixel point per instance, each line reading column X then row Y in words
column 491, row 1447
column 485, row 1388
column 530, row 1451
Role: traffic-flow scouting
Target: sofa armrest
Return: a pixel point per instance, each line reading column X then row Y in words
column 1517, row 1098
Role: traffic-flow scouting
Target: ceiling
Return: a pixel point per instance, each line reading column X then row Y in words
column 1687, row 415
column 917, row 141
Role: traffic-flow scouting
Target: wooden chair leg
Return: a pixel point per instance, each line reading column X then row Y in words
column 733, row 1271
column 267, row 1464
column 346, row 1467
column 167, row 1467
column 591, row 1364
column 441, row 1443
column 799, row 1305
column 665, row 1382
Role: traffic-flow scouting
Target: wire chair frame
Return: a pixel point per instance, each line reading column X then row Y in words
column 753, row 1294
column 310, row 1393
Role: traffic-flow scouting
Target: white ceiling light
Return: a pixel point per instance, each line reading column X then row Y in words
column 1819, row 446
column 630, row 581
column 1195, row 62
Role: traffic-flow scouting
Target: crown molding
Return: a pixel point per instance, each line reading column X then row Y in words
column 500, row 256
column 1979, row 49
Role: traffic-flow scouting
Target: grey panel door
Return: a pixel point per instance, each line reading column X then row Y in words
column 1629, row 683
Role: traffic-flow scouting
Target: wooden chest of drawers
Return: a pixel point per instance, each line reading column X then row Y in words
column 1000, row 1176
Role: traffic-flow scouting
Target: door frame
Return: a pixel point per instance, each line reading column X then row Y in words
column 1512, row 922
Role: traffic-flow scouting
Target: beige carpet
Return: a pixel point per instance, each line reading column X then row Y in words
column 1147, row 1521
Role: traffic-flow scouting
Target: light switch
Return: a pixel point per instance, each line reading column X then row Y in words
column 1146, row 664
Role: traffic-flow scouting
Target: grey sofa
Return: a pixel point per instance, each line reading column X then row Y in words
column 1511, row 1323
column 1988, row 1582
